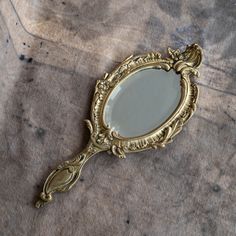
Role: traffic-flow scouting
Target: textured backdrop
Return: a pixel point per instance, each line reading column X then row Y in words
column 51, row 54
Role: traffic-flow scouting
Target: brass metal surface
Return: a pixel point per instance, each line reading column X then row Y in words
column 104, row 139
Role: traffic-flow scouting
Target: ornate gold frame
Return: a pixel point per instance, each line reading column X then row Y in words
column 104, row 139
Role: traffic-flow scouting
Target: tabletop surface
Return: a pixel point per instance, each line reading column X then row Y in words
column 51, row 54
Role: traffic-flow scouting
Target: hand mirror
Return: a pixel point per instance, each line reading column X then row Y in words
column 142, row 104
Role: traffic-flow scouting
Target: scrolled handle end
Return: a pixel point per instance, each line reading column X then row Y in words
column 40, row 203
column 44, row 199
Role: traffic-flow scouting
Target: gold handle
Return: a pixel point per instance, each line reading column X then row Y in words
column 66, row 175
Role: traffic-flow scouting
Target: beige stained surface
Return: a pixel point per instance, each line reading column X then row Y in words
column 51, row 54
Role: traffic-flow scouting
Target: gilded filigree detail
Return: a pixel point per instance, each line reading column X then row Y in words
column 103, row 138
column 185, row 63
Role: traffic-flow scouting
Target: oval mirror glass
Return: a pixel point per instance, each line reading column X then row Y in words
column 142, row 102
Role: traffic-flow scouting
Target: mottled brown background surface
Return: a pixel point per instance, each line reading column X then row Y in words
column 187, row 189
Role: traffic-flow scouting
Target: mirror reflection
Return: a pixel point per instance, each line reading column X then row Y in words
column 142, row 102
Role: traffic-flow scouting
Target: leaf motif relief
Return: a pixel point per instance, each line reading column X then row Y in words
column 188, row 61
column 117, row 151
column 174, row 54
column 61, row 179
column 193, row 56
column 89, row 125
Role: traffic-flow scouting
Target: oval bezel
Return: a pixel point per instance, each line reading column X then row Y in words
column 186, row 64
